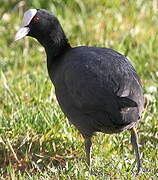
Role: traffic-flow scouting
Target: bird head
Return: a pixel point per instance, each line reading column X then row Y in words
column 38, row 23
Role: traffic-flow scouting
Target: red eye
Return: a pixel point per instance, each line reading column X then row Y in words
column 36, row 19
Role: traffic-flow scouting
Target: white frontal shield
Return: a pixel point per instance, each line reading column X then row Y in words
column 23, row 31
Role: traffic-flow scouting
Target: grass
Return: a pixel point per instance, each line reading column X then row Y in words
column 36, row 139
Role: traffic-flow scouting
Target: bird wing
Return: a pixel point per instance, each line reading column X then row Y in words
column 97, row 80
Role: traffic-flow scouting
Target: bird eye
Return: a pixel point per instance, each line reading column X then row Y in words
column 36, row 19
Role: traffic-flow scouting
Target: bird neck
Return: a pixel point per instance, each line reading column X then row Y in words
column 55, row 44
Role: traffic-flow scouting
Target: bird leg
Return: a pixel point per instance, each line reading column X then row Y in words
column 88, row 144
column 134, row 141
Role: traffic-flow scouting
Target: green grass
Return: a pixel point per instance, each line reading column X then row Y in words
column 36, row 139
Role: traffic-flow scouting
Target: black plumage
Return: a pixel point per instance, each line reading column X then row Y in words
column 97, row 88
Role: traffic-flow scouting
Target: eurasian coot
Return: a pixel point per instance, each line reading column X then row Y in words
column 97, row 88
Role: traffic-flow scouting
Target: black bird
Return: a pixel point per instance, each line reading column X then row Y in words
column 97, row 88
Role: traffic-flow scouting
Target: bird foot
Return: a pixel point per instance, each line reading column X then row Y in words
column 141, row 171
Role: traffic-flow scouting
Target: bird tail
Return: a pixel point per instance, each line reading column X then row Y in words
column 125, row 102
column 128, row 111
